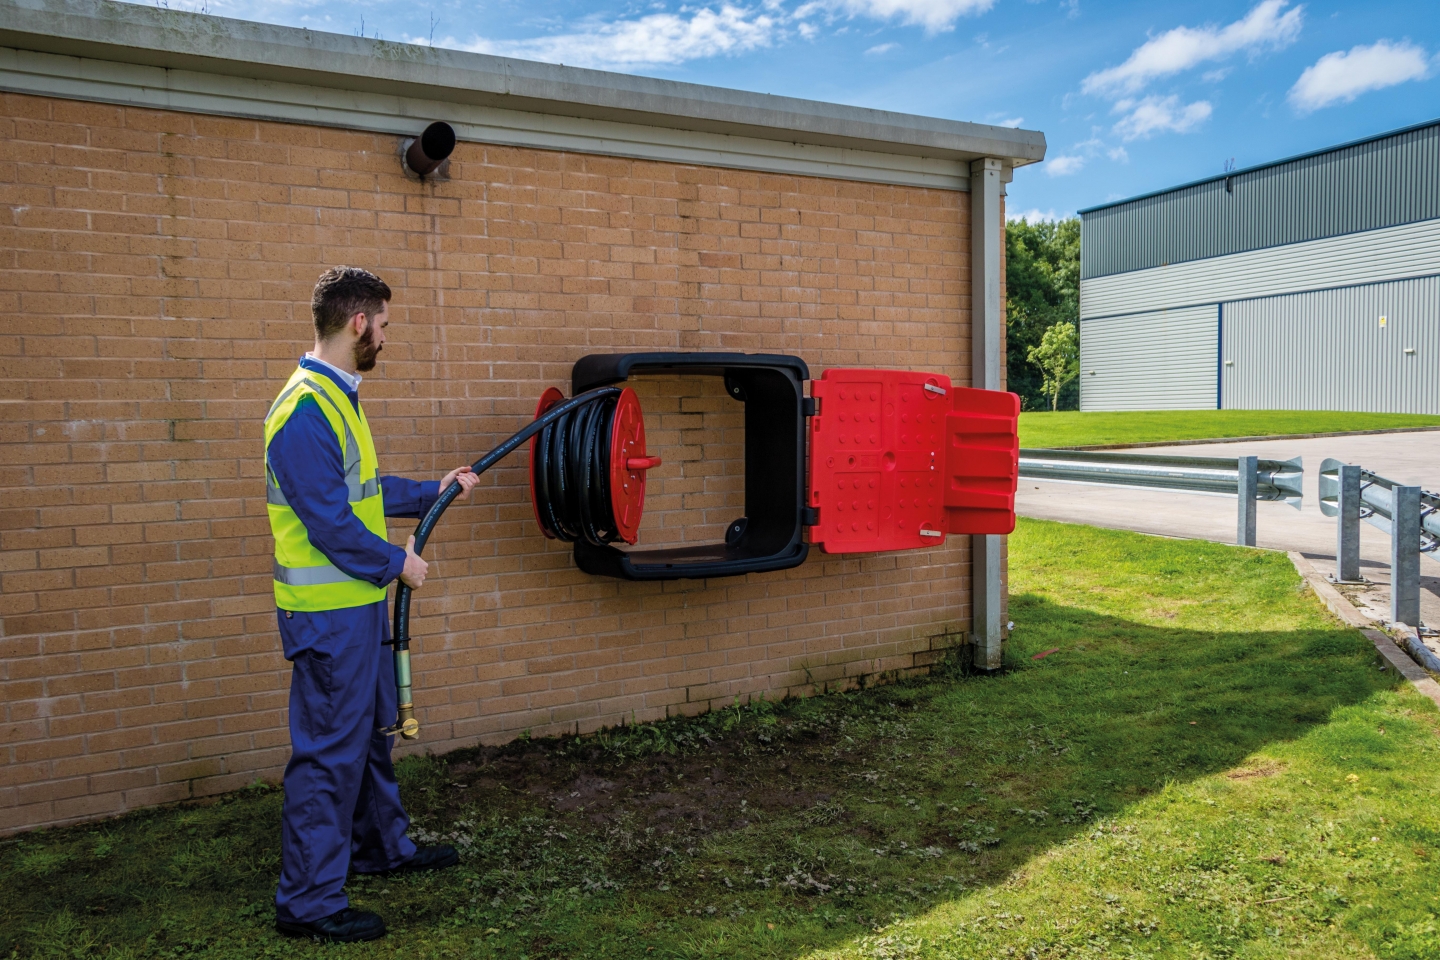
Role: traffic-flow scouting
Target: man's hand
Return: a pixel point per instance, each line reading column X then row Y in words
column 414, row 573
column 467, row 478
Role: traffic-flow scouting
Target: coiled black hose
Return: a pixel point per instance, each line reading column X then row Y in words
column 571, row 462
column 572, row 475
column 586, row 440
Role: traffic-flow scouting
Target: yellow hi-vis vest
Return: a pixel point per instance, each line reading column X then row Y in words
column 304, row 578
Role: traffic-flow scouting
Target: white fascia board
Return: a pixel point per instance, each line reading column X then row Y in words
column 282, row 73
column 43, row 74
column 1373, row 256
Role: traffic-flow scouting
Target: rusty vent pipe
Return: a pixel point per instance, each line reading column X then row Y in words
column 431, row 148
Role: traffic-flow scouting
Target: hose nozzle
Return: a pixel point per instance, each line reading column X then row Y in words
column 405, row 723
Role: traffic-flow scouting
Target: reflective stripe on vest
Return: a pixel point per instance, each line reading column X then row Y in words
column 310, row 576
column 356, row 490
column 304, row 578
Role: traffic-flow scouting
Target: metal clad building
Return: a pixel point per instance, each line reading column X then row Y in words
column 1175, row 357
column 1264, row 288
column 1318, row 341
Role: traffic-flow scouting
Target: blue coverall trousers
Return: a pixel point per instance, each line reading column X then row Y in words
column 342, row 804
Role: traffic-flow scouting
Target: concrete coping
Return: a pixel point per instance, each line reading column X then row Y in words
column 173, row 39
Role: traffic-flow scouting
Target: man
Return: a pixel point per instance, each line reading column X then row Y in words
column 327, row 507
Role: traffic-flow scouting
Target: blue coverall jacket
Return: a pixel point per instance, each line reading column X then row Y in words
column 342, row 804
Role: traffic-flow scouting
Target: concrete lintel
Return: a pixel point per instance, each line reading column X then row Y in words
column 171, row 39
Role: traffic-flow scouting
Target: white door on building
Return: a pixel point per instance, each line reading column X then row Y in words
column 1160, row 360
column 1366, row 348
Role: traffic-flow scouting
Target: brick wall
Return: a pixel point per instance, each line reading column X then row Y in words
column 156, row 273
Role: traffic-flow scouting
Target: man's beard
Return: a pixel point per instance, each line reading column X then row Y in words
column 366, row 349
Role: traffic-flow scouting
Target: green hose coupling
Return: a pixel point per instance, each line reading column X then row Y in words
column 406, row 725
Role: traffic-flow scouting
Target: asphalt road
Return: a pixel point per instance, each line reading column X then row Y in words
column 1412, row 458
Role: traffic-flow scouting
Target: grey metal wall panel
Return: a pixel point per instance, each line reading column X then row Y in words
column 1326, row 350
column 1385, row 181
column 1161, row 360
column 1393, row 253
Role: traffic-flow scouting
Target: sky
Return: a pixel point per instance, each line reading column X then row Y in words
column 1132, row 96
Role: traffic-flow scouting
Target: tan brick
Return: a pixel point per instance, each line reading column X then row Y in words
column 146, row 332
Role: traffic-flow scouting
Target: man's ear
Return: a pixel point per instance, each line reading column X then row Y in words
column 358, row 323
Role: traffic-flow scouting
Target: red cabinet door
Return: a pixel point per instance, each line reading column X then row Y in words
column 899, row 459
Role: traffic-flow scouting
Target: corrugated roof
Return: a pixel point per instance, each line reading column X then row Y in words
column 1380, row 181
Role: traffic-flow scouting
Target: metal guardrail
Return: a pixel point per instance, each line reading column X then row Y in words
column 1250, row 479
column 1377, row 499
column 1409, row 514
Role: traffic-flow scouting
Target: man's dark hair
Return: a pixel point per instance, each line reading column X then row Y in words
column 343, row 292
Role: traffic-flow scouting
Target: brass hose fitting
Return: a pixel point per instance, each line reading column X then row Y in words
column 409, row 726
column 405, row 724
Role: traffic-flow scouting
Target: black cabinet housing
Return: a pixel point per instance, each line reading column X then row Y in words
column 770, row 536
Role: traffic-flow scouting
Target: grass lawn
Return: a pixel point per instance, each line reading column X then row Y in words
column 1069, row 428
column 1208, row 766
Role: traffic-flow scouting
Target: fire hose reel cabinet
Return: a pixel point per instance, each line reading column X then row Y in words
column 872, row 460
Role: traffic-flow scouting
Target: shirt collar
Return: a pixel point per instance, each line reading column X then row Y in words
column 350, row 382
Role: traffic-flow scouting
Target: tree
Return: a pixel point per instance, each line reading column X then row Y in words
column 1058, row 357
column 1042, row 280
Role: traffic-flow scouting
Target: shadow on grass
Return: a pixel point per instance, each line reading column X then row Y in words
column 762, row 831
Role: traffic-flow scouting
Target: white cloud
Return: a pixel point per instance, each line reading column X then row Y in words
column 692, row 34
column 1341, row 77
column 1064, row 165
column 660, row 38
column 1152, row 115
column 1035, row 215
column 1184, row 47
column 1079, row 155
column 1011, row 122
column 933, row 15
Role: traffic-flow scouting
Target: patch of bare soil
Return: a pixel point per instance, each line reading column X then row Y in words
column 734, row 778
column 1253, row 773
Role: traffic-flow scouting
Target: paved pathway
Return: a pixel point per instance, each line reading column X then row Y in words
column 1412, row 458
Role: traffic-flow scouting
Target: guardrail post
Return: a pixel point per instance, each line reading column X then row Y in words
column 1246, row 488
column 1347, row 527
column 1405, row 556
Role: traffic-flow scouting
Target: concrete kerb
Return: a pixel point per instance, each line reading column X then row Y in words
column 1384, row 644
column 1409, row 638
column 1270, row 437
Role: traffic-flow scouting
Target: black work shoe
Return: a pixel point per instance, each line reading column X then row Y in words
column 342, row 926
column 429, row 858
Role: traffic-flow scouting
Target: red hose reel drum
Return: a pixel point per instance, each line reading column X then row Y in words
column 628, row 463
